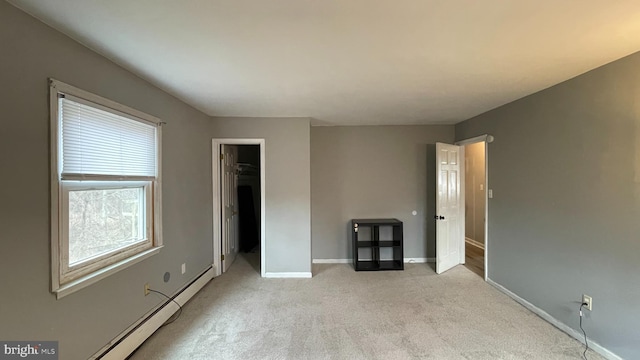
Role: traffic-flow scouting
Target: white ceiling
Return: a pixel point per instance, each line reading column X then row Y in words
column 351, row 62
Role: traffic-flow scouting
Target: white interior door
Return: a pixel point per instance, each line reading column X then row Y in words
column 449, row 207
column 229, row 216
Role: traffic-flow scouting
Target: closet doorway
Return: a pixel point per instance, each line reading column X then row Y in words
column 239, row 203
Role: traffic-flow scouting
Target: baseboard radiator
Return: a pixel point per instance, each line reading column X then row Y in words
column 130, row 339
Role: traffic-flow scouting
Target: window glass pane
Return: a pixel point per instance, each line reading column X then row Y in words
column 101, row 221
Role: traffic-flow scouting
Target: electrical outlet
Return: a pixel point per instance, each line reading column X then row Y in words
column 146, row 289
column 586, row 299
column 184, row 268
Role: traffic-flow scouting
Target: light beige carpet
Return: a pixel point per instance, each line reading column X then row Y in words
column 343, row 314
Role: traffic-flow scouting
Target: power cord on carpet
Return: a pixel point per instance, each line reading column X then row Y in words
column 586, row 345
column 169, row 321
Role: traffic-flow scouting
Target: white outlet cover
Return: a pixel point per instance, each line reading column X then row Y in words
column 184, row 268
column 587, row 299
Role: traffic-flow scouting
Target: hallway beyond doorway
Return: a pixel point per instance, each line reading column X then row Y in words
column 474, row 259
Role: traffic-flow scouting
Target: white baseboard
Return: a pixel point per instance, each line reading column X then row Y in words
column 288, row 275
column 349, row 261
column 477, row 244
column 332, row 261
column 419, row 260
column 557, row 323
column 130, row 339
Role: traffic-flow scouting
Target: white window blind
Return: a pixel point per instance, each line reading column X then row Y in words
column 101, row 144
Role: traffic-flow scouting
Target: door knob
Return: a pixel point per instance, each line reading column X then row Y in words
column 438, row 217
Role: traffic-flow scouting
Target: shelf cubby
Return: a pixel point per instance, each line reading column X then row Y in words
column 377, row 244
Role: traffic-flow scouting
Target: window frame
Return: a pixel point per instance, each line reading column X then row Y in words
column 66, row 278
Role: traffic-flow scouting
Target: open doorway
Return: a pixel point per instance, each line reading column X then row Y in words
column 248, row 191
column 477, row 194
column 238, row 203
column 452, row 213
column 475, row 206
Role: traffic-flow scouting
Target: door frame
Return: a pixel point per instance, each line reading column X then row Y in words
column 217, row 199
column 487, row 140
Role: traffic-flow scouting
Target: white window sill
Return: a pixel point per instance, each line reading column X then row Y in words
column 98, row 275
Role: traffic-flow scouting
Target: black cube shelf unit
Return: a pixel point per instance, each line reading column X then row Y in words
column 377, row 244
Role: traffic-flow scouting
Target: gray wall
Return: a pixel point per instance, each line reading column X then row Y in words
column 565, row 215
column 85, row 321
column 372, row 172
column 287, row 198
column 475, row 191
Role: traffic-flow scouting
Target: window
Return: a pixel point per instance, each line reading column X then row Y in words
column 105, row 187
